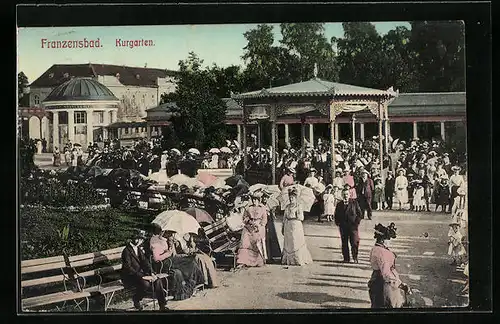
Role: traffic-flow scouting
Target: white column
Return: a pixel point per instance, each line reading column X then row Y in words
column 90, row 127
column 311, row 134
column 113, row 116
column 71, row 126
column 336, row 126
column 354, row 132
column 442, row 131
column 287, row 134
column 362, row 131
column 55, row 129
column 415, row 130
column 238, row 128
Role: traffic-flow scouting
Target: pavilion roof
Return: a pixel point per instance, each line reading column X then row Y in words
column 313, row 87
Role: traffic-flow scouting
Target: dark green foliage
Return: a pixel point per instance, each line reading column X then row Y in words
column 27, row 149
column 52, row 192
column 42, row 231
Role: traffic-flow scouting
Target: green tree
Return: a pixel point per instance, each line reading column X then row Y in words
column 398, row 61
column 360, row 55
column 308, row 42
column 22, row 85
column 201, row 112
column 440, row 54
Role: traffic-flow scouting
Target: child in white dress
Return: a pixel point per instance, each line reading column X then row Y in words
column 418, row 198
column 329, row 203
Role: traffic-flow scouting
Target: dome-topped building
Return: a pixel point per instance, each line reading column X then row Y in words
column 81, row 89
column 78, row 106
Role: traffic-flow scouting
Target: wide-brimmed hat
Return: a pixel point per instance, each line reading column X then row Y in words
column 329, row 186
column 313, row 170
column 433, row 153
column 453, row 223
column 401, row 169
column 364, row 171
column 445, row 154
column 140, row 234
column 290, row 169
column 257, row 194
column 456, row 168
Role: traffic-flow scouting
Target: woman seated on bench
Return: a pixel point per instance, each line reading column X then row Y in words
column 186, row 246
column 187, row 273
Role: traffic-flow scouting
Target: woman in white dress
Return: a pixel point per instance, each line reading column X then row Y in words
column 401, row 185
column 295, row 251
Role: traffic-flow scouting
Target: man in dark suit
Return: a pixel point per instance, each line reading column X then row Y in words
column 136, row 266
column 347, row 218
column 365, row 194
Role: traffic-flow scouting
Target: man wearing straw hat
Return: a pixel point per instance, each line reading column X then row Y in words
column 135, row 269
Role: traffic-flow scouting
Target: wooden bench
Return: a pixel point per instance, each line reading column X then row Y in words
column 48, row 275
column 76, row 278
column 220, row 240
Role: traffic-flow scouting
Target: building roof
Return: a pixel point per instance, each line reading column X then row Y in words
column 314, row 87
column 167, row 107
column 79, row 89
column 406, row 104
column 128, row 75
column 428, row 104
column 127, row 124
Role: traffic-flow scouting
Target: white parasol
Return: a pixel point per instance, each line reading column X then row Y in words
column 194, row 151
column 237, row 144
column 394, row 143
column 214, row 150
column 182, row 179
column 319, row 188
column 235, row 222
column 305, row 197
column 177, row 221
column 342, row 142
column 160, row 177
column 225, row 150
column 175, row 151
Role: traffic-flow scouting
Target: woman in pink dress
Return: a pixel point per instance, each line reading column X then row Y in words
column 251, row 251
column 349, row 182
column 385, row 287
column 287, row 179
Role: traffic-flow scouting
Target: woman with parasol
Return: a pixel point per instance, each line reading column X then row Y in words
column 187, row 273
column 385, row 287
column 295, row 251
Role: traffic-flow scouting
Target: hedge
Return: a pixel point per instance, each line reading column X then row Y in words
column 46, row 233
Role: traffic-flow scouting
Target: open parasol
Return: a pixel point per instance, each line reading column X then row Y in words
column 160, row 177
column 182, row 179
column 305, row 197
column 394, row 143
column 194, row 151
column 206, row 178
column 175, row 151
column 225, row 150
column 177, row 221
column 214, row 150
column 95, row 171
column 201, row 216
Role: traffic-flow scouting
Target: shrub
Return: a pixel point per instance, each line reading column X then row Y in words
column 27, row 149
column 43, row 231
column 52, row 192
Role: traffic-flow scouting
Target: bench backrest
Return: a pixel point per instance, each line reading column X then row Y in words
column 60, row 269
column 42, row 271
column 217, row 233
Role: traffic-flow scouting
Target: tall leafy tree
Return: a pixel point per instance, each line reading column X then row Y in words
column 398, row 61
column 201, row 112
column 308, row 42
column 360, row 55
column 22, row 85
column 440, row 54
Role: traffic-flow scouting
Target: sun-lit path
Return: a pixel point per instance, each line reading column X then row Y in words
column 328, row 283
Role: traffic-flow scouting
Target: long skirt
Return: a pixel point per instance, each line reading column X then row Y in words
column 295, row 251
column 187, row 275
column 207, row 267
column 57, row 160
column 251, row 251
column 384, row 295
column 401, row 196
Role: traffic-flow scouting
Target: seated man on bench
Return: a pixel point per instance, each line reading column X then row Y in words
column 135, row 266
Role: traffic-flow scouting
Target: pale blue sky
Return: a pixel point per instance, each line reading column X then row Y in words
column 220, row 44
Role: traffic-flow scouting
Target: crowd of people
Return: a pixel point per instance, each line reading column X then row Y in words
column 413, row 176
